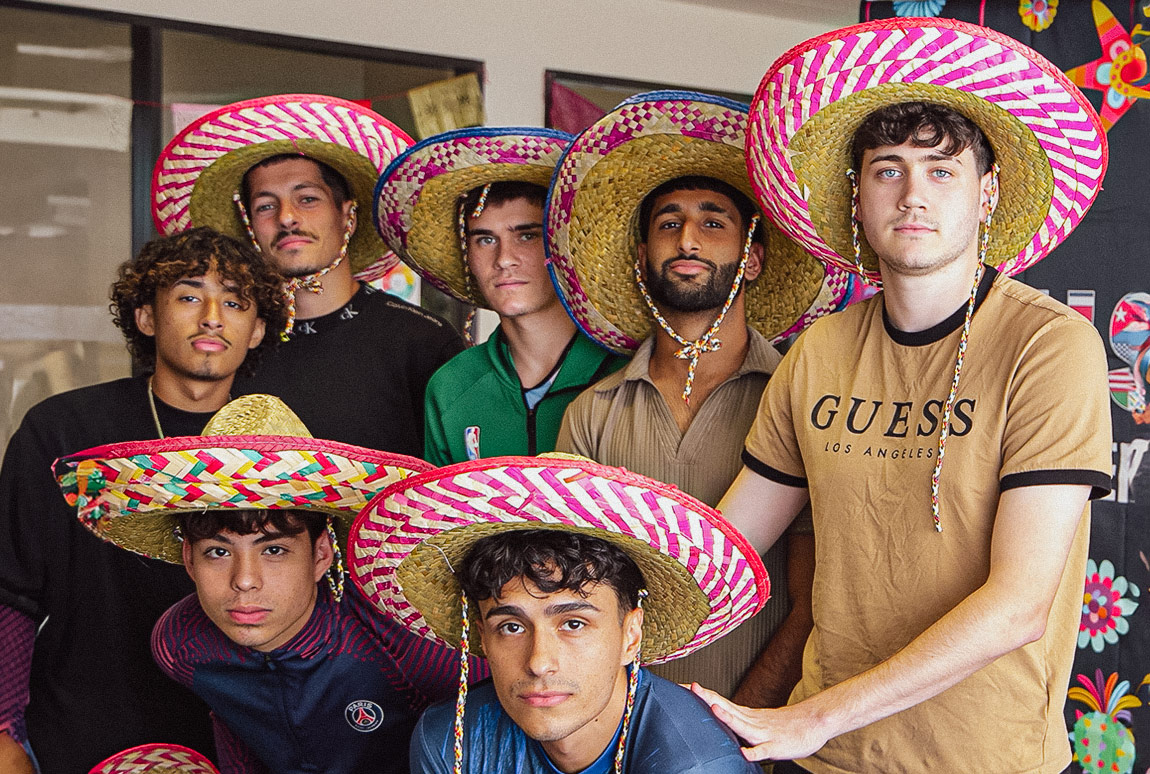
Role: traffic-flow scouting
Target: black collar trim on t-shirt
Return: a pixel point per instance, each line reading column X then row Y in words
column 947, row 326
column 346, row 312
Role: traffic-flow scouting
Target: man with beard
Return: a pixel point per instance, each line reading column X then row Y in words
column 700, row 273
column 355, row 362
column 194, row 308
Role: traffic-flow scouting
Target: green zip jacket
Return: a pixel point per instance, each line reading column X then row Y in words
column 480, row 388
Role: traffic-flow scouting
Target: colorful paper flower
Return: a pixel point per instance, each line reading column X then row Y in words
column 1105, row 606
column 919, row 8
column 1037, row 14
column 1101, row 742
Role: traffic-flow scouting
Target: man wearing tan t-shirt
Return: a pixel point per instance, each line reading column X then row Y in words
column 946, row 597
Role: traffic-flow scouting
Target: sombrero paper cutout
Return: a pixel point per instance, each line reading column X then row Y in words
column 1046, row 136
column 155, row 759
column 255, row 453
column 592, row 217
column 198, row 172
column 417, row 199
column 703, row 577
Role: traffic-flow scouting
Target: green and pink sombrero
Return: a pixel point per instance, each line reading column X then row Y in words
column 201, row 169
column 1047, row 138
column 703, row 577
column 418, row 196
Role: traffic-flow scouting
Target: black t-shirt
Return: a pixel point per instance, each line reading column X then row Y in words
column 358, row 374
column 94, row 687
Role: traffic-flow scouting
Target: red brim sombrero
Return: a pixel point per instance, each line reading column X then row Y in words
column 201, row 168
column 704, row 579
column 593, row 212
column 417, row 198
column 155, row 759
column 1047, row 138
column 131, row 493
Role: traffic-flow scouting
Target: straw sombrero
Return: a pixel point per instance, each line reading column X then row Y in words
column 703, row 577
column 155, row 759
column 202, row 167
column 1047, row 138
column 593, row 211
column 254, row 453
column 417, row 199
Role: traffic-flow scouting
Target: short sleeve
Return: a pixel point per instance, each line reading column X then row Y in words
column 169, row 636
column 574, row 436
column 772, row 447
column 426, row 749
column 1058, row 411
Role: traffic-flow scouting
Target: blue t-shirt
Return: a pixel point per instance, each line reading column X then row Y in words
column 672, row 732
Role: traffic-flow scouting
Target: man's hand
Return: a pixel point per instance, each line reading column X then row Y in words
column 774, row 734
column 13, row 759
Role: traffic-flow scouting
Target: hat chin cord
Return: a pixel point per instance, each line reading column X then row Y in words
column 691, row 350
column 310, row 282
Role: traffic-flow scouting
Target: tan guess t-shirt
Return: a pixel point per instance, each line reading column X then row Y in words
column 853, row 414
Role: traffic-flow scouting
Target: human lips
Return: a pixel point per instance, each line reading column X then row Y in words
column 292, row 240
column 913, row 228
column 690, row 266
column 544, row 698
column 248, row 615
column 209, row 344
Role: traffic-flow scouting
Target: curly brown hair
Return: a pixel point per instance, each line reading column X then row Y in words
column 192, row 253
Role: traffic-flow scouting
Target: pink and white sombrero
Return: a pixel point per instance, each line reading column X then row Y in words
column 155, row 759
column 418, row 196
column 254, row 453
column 593, row 212
column 702, row 576
column 201, row 168
column 1047, row 138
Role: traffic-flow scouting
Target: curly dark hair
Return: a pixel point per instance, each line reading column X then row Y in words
column 201, row 525
column 192, row 253
column 923, row 125
column 553, row 560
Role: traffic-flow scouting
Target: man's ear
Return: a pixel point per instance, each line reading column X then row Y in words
column 257, row 333
column 641, row 251
column 632, row 635
column 322, row 555
column 186, row 554
column 351, row 213
column 990, row 193
column 145, row 320
column 754, row 262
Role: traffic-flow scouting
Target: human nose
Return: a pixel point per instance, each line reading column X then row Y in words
column 911, row 195
column 287, row 217
column 688, row 238
column 544, row 657
column 245, row 573
column 211, row 317
column 505, row 255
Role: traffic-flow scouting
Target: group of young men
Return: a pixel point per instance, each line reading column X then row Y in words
column 642, row 273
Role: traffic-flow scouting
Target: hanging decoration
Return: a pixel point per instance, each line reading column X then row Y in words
column 1114, row 73
column 1107, row 602
column 1101, row 741
column 1037, row 14
column 918, row 8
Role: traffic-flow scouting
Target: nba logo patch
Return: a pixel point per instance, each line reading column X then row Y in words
column 364, row 715
column 471, row 442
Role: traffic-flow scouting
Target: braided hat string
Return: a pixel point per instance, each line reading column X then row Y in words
column 855, row 243
column 632, row 686
column 335, row 574
column 984, row 242
column 461, row 221
column 311, row 282
column 461, row 697
column 691, row 350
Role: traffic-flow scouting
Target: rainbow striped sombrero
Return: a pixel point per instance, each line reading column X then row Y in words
column 418, row 195
column 201, row 168
column 155, row 759
column 254, row 453
column 1046, row 136
column 593, row 208
column 703, row 577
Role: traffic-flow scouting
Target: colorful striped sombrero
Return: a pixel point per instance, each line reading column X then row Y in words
column 201, row 168
column 155, row 759
column 592, row 217
column 254, row 453
column 703, row 577
column 1047, row 138
column 418, row 195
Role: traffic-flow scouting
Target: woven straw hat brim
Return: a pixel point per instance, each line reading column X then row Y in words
column 1046, row 137
column 131, row 494
column 593, row 212
column 155, row 759
column 703, row 577
column 417, row 199
column 202, row 167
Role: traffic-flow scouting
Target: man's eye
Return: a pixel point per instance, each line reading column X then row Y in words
column 530, row 236
column 714, row 224
column 275, row 550
column 668, row 224
column 574, row 625
column 309, row 199
column 236, row 305
column 265, row 207
column 188, row 297
column 215, row 552
column 484, row 241
column 888, row 173
column 942, row 173
column 510, row 627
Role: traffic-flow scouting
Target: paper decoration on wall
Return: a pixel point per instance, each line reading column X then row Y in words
column 1037, row 14
column 1107, row 602
column 1101, row 741
column 448, row 104
column 918, row 8
column 1130, row 342
column 1115, row 72
column 392, row 276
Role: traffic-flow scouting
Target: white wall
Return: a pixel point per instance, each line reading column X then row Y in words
column 653, row 40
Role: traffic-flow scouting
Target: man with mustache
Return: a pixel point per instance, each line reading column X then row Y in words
column 465, row 209
column 295, row 176
column 194, row 309
column 688, row 281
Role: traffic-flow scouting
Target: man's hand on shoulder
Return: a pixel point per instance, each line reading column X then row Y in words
column 785, row 733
